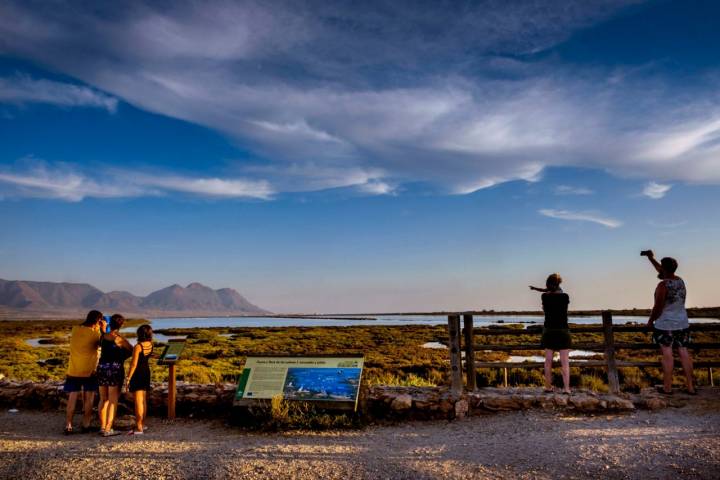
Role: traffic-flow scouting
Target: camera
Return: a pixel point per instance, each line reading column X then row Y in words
column 646, row 253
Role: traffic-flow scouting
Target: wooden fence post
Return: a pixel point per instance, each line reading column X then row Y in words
column 612, row 372
column 469, row 352
column 455, row 360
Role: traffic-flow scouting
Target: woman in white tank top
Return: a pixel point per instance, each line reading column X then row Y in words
column 669, row 321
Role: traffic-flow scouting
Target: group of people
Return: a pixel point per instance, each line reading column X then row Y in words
column 668, row 322
column 98, row 353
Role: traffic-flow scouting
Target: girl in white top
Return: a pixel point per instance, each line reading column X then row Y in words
column 669, row 321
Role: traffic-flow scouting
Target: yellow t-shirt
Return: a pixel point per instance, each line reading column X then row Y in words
column 84, row 351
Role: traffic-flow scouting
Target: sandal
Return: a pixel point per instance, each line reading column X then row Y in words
column 136, row 432
column 68, row 431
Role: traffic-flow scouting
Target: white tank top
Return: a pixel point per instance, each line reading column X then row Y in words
column 674, row 316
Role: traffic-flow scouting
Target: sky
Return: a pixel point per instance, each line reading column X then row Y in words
column 362, row 156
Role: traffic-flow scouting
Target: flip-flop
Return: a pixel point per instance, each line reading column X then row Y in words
column 688, row 392
column 545, row 390
column 68, row 431
column 135, row 432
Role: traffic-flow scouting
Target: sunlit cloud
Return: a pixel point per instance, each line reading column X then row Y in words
column 279, row 82
column 656, row 190
column 581, row 217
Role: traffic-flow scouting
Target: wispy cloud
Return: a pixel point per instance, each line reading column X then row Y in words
column 22, row 89
column 457, row 111
column 66, row 183
column 656, row 190
column 571, row 190
column 581, row 217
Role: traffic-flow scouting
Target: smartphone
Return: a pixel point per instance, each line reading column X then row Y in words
column 645, row 253
column 107, row 323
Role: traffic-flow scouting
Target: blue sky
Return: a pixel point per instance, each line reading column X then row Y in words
column 345, row 157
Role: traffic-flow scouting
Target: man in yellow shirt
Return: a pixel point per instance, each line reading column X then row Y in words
column 84, row 353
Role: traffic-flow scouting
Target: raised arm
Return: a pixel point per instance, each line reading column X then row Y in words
column 660, row 294
column 121, row 342
column 651, row 258
column 538, row 289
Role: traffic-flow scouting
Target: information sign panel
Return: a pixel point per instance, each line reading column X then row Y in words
column 172, row 352
column 331, row 381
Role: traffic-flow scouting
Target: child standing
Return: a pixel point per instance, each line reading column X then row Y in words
column 139, row 377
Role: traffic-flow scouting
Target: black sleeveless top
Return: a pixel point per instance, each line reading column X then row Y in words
column 555, row 306
column 110, row 352
column 141, row 378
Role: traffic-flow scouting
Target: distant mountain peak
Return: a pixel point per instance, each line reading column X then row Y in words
column 196, row 298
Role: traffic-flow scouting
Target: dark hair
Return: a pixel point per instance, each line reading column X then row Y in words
column 92, row 318
column 669, row 265
column 116, row 322
column 144, row 333
column 553, row 281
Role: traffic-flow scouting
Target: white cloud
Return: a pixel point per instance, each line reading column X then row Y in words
column 571, row 190
column 209, row 187
column 656, row 190
column 65, row 183
column 389, row 101
column 23, row 89
column 581, row 217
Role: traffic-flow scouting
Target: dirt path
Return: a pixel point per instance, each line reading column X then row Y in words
column 665, row 444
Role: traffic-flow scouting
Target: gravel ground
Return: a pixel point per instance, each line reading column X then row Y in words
column 645, row 445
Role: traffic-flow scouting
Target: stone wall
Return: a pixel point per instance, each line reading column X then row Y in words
column 378, row 402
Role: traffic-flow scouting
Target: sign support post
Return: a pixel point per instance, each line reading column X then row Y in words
column 169, row 357
column 172, row 391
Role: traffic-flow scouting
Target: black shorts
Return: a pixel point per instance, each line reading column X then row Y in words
column 556, row 339
column 77, row 384
column 671, row 338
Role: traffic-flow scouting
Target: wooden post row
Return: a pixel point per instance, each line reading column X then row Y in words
column 612, row 373
column 455, row 360
column 469, row 352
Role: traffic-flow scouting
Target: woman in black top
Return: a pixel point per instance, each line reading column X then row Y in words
column 114, row 350
column 556, row 333
column 139, row 377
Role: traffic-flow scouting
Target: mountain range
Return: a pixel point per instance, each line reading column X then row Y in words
column 194, row 299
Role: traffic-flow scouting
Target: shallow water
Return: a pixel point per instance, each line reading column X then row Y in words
column 537, row 358
column 384, row 320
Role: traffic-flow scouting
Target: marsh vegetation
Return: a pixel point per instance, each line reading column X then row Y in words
column 393, row 354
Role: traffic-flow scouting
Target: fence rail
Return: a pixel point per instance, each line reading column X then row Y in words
column 608, row 348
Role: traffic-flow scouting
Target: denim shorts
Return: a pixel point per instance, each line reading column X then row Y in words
column 77, row 384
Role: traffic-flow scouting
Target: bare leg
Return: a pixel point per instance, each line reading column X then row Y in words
column 114, row 394
column 565, row 368
column 70, row 409
column 548, row 369
column 103, row 408
column 139, row 409
column 88, row 399
column 667, row 366
column 687, row 365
